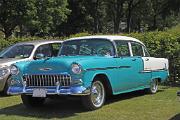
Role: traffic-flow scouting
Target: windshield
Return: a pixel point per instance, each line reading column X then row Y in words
column 100, row 47
column 17, row 51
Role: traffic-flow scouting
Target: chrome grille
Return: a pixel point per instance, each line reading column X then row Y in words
column 47, row 80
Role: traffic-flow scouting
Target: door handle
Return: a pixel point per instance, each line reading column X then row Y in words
column 147, row 59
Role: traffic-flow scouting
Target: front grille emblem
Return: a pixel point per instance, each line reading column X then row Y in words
column 45, row 69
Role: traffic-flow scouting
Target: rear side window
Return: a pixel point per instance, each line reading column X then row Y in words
column 122, row 48
column 137, row 49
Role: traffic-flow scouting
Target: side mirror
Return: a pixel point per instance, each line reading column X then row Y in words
column 39, row 56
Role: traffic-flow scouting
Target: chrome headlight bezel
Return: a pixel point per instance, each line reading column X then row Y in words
column 4, row 71
column 76, row 68
column 14, row 70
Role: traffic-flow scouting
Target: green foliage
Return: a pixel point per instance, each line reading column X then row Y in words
column 80, row 35
column 32, row 16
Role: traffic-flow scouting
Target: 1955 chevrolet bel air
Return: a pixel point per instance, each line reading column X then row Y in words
column 92, row 67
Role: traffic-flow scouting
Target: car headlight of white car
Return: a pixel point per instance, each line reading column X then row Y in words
column 4, row 71
column 14, row 70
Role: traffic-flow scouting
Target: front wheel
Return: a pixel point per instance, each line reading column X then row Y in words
column 153, row 86
column 96, row 98
column 30, row 101
column 6, row 87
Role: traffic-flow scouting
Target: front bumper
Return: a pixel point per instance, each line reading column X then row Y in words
column 73, row 90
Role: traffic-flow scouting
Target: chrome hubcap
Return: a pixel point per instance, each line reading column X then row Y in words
column 97, row 94
column 154, row 85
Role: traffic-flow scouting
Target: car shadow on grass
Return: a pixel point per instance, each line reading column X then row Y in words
column 51, row 109
column 129, row 95
column 57, row 108
column 176, row 117
column 3, row 95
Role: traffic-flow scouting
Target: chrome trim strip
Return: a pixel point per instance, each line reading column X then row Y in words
column 106, row 68
column 148, row 71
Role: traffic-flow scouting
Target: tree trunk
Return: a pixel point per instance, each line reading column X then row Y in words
column 129, row 16
column 129, row 22
column 116, row 27
column 118, row 14
column 96, row 21
column 7, row 33
column 154, row 23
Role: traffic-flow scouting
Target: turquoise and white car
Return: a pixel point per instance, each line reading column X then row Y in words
column 91, row 67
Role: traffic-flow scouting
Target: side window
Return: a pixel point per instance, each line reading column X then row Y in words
column 46, row 50
column 122, row 48
column 55, row 48
column 137, row 49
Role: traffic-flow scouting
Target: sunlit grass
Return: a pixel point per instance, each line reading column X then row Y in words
column 132, row 106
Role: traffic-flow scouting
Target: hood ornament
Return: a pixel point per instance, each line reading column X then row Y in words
column 45, row 69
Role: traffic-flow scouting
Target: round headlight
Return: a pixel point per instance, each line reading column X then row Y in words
column 3, row 72
column 76, row 68
column 14, row 70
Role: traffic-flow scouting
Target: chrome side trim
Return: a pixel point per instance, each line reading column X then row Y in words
column 148, row 71
column 106, row 68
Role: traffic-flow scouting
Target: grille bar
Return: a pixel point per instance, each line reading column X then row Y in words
column 47, row 80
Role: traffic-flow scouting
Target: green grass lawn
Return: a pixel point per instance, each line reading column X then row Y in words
column 132, row 106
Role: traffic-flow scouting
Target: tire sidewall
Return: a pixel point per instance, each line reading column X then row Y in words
column 87, row 100
column 153, row 86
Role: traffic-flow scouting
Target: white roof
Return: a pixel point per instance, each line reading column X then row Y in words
column 39, row 42
column 110, row 37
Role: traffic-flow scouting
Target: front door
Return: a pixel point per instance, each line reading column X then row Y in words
column 128, row 67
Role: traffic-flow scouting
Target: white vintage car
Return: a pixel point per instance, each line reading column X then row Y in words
column 24, row 51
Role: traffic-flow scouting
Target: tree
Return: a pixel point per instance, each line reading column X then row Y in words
column 50, row 14
column 131, row 5
column 115, row 12
column 13, row 13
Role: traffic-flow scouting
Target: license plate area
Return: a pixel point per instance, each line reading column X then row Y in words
column 39, row 92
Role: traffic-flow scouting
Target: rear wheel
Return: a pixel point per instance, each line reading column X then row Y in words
column 96, row 98
column 30, row 101
column 153, row 86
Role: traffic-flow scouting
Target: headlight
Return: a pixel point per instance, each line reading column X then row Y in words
column 14, row 70
column 4, row 71
column 76, row 68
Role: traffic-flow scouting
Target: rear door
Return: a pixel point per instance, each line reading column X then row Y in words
column 144, row 74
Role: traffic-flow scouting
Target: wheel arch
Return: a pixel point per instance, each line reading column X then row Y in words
column 105, row 80
column 158, row 78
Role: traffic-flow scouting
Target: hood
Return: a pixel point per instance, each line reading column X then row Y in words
column 57, row 65
column 9, row 61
